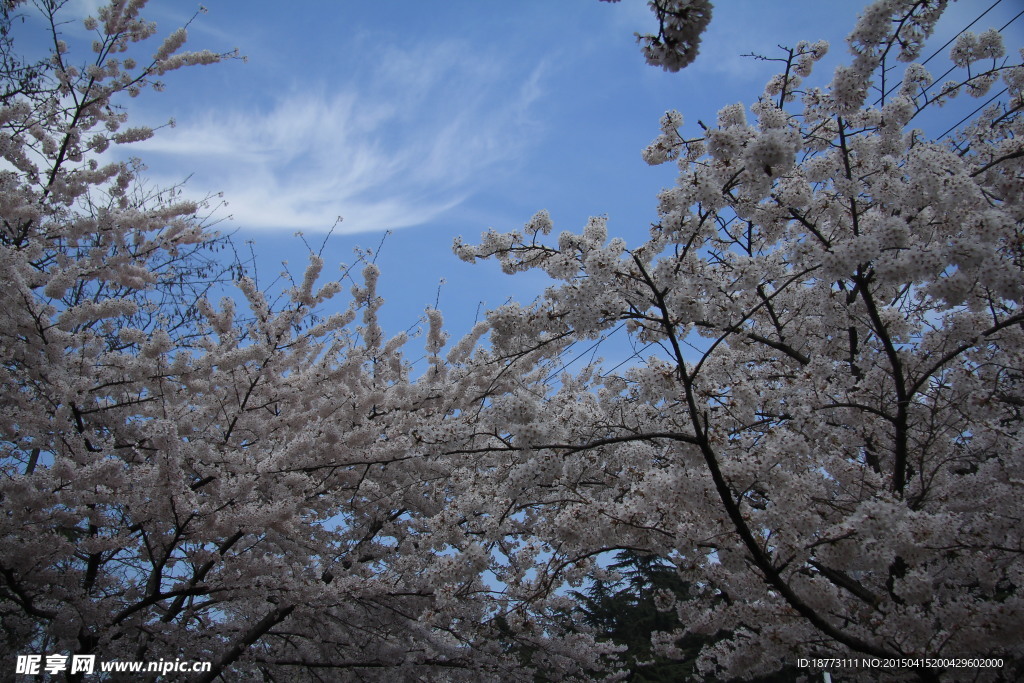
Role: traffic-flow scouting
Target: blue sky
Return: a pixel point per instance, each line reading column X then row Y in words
column 441, row 118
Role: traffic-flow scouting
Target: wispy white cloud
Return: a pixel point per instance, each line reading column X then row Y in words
column 84, row 8
column 401, row 142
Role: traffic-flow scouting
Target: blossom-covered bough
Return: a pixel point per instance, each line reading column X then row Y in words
column 680, row 26
column 194, row 470
column 827, row 440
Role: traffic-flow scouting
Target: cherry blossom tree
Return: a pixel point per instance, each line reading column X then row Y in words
column 823, row 429
column 257, row 482
column 822, row 433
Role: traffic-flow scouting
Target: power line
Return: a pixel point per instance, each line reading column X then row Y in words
column 964, row 30
column 944, row 46
column 1019, row 15
column 957, row 124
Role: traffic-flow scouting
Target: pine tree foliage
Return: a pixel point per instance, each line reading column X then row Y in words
column 630, row 608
